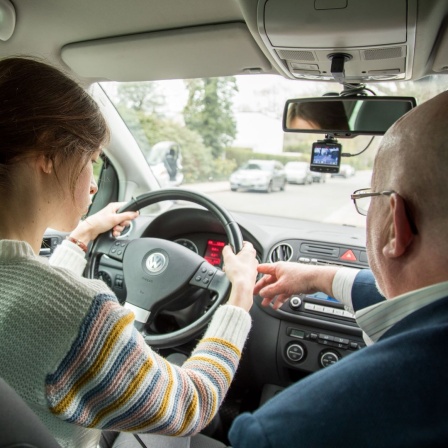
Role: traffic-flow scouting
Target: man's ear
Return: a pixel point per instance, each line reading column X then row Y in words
column 45, row 163
column 401, row 237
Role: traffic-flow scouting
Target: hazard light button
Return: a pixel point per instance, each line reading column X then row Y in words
column 348, row 255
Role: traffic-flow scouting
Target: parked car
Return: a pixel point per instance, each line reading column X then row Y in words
column 298, row 173
column 259, row 175
column 319, row 177
column 345, row 171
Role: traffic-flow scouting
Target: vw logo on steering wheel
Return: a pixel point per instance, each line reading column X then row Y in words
column 156, row 262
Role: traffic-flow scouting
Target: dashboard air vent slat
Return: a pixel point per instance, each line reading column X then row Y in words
column 314, row 249
column 281, row 252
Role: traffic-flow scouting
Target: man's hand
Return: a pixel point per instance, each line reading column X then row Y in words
column 283, row 279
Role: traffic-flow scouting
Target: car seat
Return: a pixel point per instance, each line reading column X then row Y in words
column 21, row 428
column 19, row 425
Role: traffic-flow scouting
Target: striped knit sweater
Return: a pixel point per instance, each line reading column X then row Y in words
column 72, row 352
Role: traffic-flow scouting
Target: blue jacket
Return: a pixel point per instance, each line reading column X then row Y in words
column 393, row 393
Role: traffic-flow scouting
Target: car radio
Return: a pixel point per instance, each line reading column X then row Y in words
column 318, row 303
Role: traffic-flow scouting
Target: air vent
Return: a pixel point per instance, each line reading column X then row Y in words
column 281, row 252
column 317, row 249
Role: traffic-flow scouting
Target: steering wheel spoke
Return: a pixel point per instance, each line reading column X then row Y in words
column 212, row 278
column 114, row 248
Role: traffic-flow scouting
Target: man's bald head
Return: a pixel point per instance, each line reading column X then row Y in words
column 413, row 160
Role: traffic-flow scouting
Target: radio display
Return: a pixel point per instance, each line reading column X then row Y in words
column 213, row 252
column 322, row 296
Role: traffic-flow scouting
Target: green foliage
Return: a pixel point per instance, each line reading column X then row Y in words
column 222, row 169
column 239, row 155
column 140, row 96
column 209, row 111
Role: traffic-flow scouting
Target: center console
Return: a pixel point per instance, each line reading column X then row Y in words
column 315, row 330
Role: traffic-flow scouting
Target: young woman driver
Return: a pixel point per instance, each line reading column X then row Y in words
column 67, row 346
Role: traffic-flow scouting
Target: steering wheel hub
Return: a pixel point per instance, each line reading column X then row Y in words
column 156, row 262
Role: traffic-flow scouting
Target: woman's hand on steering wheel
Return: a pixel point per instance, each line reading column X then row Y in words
column 102, row 221
column 241, row 270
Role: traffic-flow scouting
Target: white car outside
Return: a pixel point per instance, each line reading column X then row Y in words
column 298, row 173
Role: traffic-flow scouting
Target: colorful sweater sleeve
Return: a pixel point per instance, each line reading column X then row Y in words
column 110, row 378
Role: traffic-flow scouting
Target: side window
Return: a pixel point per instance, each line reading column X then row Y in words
column 97, row 167
column 107, row 181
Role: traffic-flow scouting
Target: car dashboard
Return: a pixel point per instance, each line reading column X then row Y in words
column 308, row 333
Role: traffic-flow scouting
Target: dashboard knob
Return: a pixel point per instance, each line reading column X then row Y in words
column 328, row 358
column 295, row 352
column 295, row 302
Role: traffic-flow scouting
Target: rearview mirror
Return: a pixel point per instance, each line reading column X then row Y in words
column 345, row 116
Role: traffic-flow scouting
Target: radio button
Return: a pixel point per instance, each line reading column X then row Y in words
column 341, row 340
column 326, row 337
column 295, row 302
column 310, row 306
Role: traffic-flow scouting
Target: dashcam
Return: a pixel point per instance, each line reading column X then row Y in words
column 325, row 157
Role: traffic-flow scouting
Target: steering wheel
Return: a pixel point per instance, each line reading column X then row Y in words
column 157, row 272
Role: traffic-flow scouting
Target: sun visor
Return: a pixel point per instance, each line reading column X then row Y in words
column 377, row 38
column 205, row 51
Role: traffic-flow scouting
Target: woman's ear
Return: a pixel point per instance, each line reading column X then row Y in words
column 402, row 236
column 45, row 164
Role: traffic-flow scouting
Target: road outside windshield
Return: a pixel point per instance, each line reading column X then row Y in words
column 198, row 133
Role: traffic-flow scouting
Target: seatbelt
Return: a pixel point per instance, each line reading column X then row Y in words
column 139, row 440
column 159, row 441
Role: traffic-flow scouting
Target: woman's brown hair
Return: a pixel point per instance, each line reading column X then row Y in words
column 44, row 112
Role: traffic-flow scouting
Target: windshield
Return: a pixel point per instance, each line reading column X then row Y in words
column 202, row 133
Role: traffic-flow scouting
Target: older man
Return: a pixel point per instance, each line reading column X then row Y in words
column 394, row 392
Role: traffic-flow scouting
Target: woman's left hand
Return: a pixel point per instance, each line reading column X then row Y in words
column 102, row 221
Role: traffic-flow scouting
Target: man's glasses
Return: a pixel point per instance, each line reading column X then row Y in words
column 362, row 199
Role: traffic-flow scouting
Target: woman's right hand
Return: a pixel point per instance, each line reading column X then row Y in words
column 241, row 270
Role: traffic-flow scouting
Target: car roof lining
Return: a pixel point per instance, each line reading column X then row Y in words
column 161, row 23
